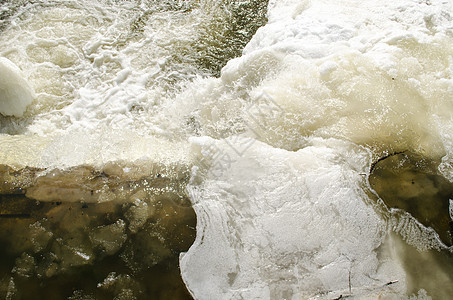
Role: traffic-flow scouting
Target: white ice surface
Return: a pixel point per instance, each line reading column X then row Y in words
column 15, row 91
column 274, row 224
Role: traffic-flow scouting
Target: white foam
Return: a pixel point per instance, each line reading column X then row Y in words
column 97, row 65
column 16, row 94
column 274, row 224
column 93, row 148
column 280, row 189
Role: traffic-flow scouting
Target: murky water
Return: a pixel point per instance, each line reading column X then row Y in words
column 65, row 245
column 411, row 188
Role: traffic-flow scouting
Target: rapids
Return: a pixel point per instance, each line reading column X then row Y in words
column 312, row 139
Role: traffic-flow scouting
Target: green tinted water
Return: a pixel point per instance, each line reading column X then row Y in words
column 409, row 183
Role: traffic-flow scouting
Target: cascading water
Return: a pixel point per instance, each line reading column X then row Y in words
column 314, row 151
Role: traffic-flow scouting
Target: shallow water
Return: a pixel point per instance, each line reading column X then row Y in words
column 58, row 247
column 408, row 183
column 411, row 183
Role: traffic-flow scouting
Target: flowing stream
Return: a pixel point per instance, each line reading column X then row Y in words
column 232, row 149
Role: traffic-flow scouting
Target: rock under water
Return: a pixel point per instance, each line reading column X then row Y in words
column 123, row 241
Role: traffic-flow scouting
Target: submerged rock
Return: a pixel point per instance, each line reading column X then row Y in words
column 71, row 230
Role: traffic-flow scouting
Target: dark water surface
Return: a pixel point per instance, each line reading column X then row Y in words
column 125, row 249
column 410, row 183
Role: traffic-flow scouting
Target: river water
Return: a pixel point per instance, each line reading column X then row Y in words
column 228, row 149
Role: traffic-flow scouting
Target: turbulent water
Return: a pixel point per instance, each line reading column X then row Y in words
column 311, row 138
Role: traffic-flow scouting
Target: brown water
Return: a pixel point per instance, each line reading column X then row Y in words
column 127, row 248
column 409, row 183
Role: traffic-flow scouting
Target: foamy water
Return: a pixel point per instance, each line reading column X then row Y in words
column 279, row 145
